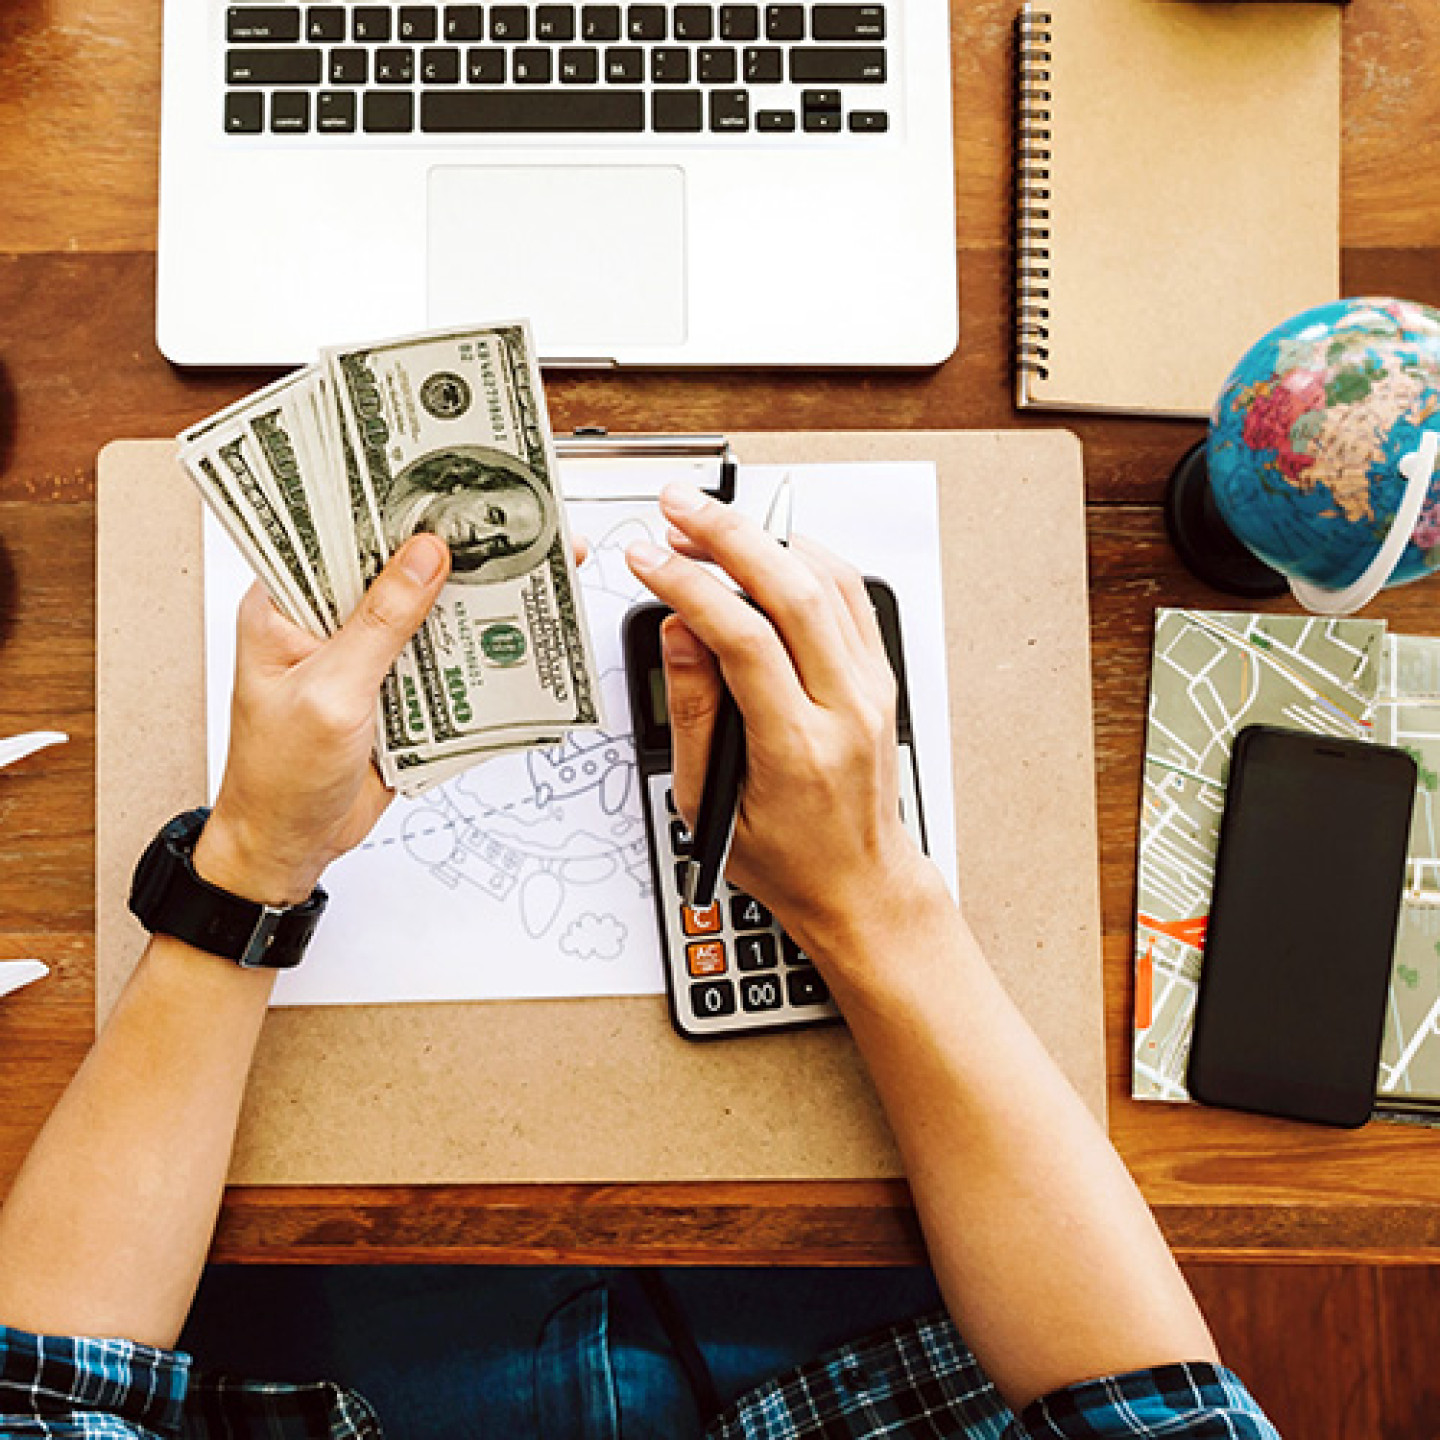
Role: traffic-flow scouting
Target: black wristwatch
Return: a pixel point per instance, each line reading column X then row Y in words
column 169, row 898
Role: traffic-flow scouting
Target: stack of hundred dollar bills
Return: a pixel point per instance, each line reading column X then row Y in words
column 323, row 475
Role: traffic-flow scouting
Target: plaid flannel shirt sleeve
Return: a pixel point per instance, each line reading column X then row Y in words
column 64, row 1388
column 919, row 1381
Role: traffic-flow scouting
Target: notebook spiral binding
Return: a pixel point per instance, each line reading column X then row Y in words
column 1032, row 194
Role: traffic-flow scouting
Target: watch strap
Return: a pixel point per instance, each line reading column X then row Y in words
column 169, row 897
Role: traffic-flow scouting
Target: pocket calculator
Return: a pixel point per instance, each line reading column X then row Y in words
column 730, row 969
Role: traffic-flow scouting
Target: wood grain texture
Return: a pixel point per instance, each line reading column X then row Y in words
column 78, row 367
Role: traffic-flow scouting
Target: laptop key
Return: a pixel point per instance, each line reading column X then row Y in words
column 625, row 65
column 784, row 22
column 290, row 112
column 872, row 121
column 349, row 67
column 485, row 67
column 847, row 22
column 669, row 66
column 764, row 65
column 531, row 67
column 395, row 67
column 782, row 121
column 739, row 22
column 729, row 110
column 555, row 22
column 325, row 22
column 335, row 112
column 244, row 112
column 822, row 121
column 579, row 66
column 273, row 67
column 418, row 22
column 259, row 24
column 694, row 22
column 509, row 22
column 391, row 112
column 717, row 67
column 645, row 22
column 600, row 22
column 457, row 112
column 676, row 110
column 372, row 23
column 440, row 67
column 810, row 64
column 463, row 22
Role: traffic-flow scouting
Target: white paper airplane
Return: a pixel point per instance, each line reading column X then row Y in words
column 15, row 973
column 23, row 745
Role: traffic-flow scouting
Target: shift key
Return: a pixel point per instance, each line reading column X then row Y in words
column 817, row 65
column 273, row 67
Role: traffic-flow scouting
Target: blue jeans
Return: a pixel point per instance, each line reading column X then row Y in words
column 553, row 1353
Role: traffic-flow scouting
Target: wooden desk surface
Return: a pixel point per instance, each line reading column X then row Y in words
column 78, row 367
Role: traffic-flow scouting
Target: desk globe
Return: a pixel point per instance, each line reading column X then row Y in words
column 1319, row 472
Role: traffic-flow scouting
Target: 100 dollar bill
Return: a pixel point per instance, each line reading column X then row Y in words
column 449, row 434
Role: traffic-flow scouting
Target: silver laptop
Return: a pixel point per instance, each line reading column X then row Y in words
column 652, row 184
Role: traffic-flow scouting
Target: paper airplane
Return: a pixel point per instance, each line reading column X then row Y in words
column 23, row 745
column 15, row 973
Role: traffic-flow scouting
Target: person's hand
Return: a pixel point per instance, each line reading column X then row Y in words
column 818, row 837
column 299, row 786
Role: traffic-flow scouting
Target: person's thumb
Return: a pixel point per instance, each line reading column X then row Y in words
column 692, row 687
column 391, row 610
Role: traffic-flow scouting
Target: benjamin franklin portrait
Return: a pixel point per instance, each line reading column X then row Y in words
column 488, row 507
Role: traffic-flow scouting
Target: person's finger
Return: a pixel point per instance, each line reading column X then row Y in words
column 756, row 665
column 799, row 604
column 390, row 611
column 850, row 585
column 692, row 689
column 266, row 639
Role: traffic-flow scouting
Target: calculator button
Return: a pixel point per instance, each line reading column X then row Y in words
column 701, row 922
column 747, row 913
column 805, row 987
column 755, row 952
column 794, row 955
column 680, row 840
column 712, row 999
column 762, row 993
column 705, row 957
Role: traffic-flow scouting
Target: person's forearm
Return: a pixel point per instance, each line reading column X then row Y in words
column 1049, row 1259
column 107, row 1227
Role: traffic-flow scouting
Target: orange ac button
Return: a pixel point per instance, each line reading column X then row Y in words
column 706, row 957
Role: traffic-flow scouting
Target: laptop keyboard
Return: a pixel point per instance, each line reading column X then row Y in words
column 508, row 69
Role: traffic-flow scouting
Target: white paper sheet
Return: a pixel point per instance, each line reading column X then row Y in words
column 528, row 876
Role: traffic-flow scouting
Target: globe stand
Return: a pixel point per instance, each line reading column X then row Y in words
column 1205, row 543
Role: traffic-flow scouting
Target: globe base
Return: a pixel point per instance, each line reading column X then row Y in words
column 1205, row 543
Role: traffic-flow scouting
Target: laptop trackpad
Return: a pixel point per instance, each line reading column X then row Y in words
column 593, row 255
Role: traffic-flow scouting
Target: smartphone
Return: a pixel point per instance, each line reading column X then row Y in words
column 1308, row 882
column 731, row 969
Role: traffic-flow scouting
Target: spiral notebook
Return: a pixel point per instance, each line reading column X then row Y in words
column 1177, row 194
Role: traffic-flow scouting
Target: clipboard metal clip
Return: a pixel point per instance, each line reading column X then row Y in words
column 589, row 469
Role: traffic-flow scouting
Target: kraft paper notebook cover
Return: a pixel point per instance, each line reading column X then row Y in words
column 1177, row 193
column 604, row 1090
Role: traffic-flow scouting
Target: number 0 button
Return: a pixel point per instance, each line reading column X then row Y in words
column 712, row 999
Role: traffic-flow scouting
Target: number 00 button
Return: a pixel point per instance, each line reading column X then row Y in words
column 762, row 994
column 713, row 999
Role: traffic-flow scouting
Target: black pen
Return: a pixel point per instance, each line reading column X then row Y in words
column 725, row 770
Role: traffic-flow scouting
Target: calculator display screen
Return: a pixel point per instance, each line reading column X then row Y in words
column 659, row 709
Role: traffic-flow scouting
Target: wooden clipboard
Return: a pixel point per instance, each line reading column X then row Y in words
column 603, row 1090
